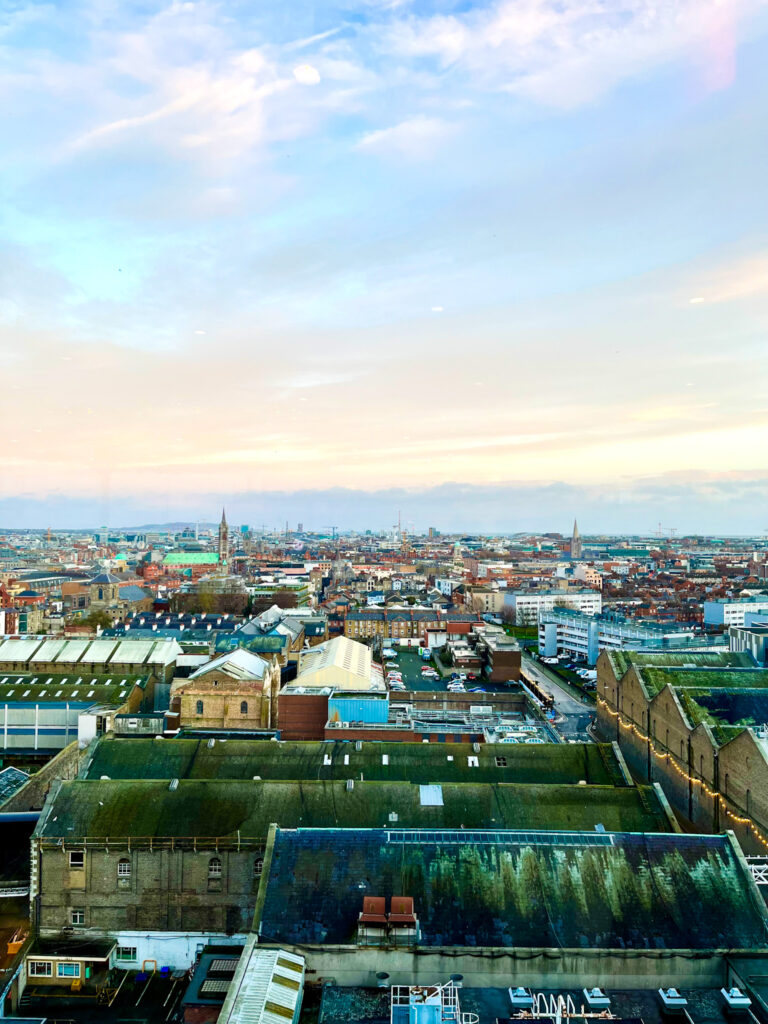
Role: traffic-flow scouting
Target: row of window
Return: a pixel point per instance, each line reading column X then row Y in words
column 44, row 969
column 243, row 707
column 77, row 860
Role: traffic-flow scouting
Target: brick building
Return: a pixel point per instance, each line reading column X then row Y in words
column 696, row 723
column 237, row 690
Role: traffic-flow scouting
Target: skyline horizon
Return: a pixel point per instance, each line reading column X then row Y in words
column 732, row 508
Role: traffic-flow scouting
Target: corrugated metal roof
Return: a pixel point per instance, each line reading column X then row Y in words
column 48, row 650
column 72, row 652
column 266, row 989
column 131, row 652
column 99, row 650
column 20, row 649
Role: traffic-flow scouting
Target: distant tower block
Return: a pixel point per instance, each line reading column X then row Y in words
column 576, row 541
column 223, row 543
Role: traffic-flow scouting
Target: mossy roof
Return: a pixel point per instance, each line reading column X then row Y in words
column 72, row 687
column 729, row 708
column 599, row 892
column 544, row 763
column 656, row 678
column 145, row 808
column 623, row 660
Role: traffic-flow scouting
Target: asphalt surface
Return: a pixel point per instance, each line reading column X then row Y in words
column 410, row 664
column 575, row 713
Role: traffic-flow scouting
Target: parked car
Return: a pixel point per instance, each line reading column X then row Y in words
column 471, row 675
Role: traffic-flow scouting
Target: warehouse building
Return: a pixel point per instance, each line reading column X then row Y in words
column 61, row 656
column 697, row 722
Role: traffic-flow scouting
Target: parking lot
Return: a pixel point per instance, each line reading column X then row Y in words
column 410, row 664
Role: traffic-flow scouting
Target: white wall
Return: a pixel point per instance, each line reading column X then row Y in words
column 170, row 949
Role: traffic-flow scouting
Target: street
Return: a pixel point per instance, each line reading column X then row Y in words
column 576, row 715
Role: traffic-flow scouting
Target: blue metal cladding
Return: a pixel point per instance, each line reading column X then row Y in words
column 358, row 709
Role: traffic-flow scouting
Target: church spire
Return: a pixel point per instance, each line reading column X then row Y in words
column 223, row 544
column 576, row 541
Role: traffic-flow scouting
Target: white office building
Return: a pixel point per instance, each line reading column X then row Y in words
column 529, row 605
column 731, row 613
column 584, row 636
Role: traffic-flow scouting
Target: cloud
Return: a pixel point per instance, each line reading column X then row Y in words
column 305, row 74
column 727, row 505
column 567, row 52
column 417, row 138
column 745, row 278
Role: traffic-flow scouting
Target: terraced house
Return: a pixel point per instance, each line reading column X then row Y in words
column 699, row 723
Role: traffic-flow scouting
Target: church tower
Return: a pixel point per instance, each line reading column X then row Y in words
column 576, row 541
column 223, row 544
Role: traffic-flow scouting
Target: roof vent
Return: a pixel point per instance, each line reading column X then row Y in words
column 476, row 748
column 104, row 778
column 211, row 743
column 350, row 785
column 358, row 744
column 174, row 785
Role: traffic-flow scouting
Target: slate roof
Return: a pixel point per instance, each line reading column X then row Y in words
column 11, row 780
column 239, row 664
column 598, row 891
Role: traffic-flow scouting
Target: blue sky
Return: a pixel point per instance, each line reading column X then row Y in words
column 379, row 248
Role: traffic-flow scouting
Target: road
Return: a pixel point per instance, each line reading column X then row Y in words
column 575, row 713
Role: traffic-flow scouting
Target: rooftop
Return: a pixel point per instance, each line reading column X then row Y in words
column 72, row 688
column 219, row 808
column 602, row 890
column 621, row 661
column 544, row 764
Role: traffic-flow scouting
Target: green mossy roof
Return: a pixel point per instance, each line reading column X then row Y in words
column 143, row 809
column 629, row 892
column 623, row 660
column 545, row 763
column 656, row 679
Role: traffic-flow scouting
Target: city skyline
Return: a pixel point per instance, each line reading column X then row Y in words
column 508, row 257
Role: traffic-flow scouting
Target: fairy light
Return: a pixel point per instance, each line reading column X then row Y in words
column 669, row 758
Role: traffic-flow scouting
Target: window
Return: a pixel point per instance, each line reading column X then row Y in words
column 258, row 867
column 501, row 762
column 243, row 707
column 199, row 707
column 67, row 970
column 76, row 859
column 124, row 868
column 214, row 868
column 40, row 968
column 77, row 916
column 124, row 953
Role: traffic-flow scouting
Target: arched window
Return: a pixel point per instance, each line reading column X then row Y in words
column 123, row 868
column 199, row 707
column 214, row 867
column 243, row 707
column 258, row 867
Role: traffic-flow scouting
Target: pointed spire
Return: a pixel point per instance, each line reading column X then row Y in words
column 575, row 530
column 223, row 516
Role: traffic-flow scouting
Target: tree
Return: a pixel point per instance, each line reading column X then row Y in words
column 95, row 620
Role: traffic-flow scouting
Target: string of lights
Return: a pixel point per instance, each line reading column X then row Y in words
column 669, row 758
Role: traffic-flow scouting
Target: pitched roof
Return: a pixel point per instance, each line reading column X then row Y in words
column 239, row 664
column 510, row 888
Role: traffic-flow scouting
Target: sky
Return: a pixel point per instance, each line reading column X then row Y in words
column 494, row 265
